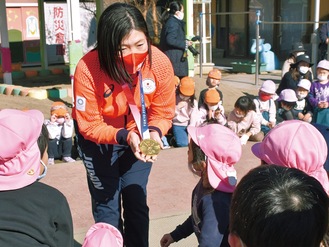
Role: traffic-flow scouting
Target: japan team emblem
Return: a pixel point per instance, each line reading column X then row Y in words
column 148, row 86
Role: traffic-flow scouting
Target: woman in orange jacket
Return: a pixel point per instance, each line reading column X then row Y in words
column 122, row 81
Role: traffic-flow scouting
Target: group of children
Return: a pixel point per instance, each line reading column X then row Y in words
column 223, row 211
column 309, row 101
column 251, row 118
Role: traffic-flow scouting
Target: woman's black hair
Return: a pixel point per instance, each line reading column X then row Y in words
column 245, row 104
column 171, row 10
column 115, row 23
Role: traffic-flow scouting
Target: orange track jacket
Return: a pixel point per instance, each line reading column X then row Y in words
column 101, row 108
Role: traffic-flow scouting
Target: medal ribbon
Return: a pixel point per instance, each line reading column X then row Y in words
column 140, row 119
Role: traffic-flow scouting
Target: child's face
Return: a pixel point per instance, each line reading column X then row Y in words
column 263, row 96
column 285, row 106
column 239, row 113
column 301, row 93
column 322, row 74
column 211, row 82
column 184, row 97
column 212, row 106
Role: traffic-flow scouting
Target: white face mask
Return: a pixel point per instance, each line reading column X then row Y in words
column 213, row 108
column 239, row 115
column 182, row 97
column 60, row 120
column 301, row 96
column 180, row 15
column 303, row 69
column 322, row 78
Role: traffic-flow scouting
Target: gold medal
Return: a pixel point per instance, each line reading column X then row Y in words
column 150, row 147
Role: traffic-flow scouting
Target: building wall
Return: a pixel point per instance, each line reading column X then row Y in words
column 24, row 31
column 234, row 34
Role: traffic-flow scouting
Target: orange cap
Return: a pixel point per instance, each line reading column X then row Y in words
column 215, row 74
column 211, row 96
column 58, row 108
column 186, row 86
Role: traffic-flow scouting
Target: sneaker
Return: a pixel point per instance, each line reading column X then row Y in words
column 51, row 161
column 68, row 159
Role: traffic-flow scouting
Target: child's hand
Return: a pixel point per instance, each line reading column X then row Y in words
column 323, row 104
column 53, row 118
column 67, row 117
column 307, row 117
column 217, row 114
column 244, row 139
column 301, row 116
column 271, row 125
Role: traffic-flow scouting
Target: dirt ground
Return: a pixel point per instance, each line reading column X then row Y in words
column 44, row 82
column 230, row 92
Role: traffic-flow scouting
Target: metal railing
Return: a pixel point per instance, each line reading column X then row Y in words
column 258, row 22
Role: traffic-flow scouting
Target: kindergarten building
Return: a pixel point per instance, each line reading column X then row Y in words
column 228, row 27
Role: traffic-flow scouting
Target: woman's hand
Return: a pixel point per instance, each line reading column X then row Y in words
column 166, row 240
column 134, row 141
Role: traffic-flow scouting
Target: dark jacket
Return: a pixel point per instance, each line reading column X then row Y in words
column 173, row 42
column 288, row 82
column 323, row 35
column 209, row 218
column 36, row 215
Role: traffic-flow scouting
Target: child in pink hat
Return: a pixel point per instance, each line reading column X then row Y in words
column 265, row 106
column 286, row 102
column 319, row 94
column 213, row 151
column 295, row 144
column 31, row 212
column 303, row 109
column 103, row 235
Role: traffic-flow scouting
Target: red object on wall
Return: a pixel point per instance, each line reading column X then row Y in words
column 6, row 60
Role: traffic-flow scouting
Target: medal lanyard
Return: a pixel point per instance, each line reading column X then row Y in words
column 140, row 119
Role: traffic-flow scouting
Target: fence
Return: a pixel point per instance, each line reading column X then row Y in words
column 314, row 39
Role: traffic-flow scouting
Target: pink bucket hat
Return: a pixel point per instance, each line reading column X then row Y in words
column 304, row 83
column 19, row 151
column 268, row 86
column 288, row 95
column 323, row 64
column 103, row 235
column 223, row 150
column 295, row 144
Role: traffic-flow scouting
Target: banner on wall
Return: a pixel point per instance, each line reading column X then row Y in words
column 57, row 31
